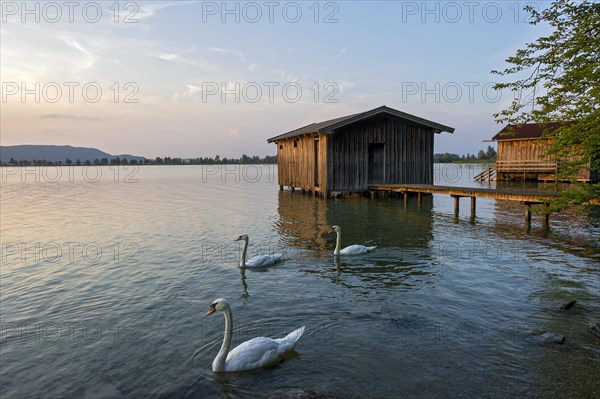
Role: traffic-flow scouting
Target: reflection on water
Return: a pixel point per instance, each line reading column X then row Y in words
column 437, row 310
column 304, row 221
column 402, row 258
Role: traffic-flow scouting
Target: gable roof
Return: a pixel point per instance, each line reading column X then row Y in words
column 526, row 131
column 333, row 124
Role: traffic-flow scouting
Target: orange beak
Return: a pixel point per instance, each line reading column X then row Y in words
column 211, row 310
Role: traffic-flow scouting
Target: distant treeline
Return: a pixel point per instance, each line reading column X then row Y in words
column 482, row 156
column 244, row 159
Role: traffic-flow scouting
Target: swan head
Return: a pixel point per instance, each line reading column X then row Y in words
column 218, row 305
column 243, row 237
column 337, row 229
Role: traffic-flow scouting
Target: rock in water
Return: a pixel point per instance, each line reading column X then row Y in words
column 594, row 329
column 568, row 305
column 552, row 338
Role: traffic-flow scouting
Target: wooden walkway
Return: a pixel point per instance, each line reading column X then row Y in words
column 528, row 198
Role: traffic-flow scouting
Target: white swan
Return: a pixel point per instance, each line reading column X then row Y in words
column 258, row 260
column 255, row 353
column 350, row 250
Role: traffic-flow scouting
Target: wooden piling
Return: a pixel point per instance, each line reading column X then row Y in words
column 526, row 197
column 456, row 207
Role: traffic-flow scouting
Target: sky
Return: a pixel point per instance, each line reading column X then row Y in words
column 201, row 78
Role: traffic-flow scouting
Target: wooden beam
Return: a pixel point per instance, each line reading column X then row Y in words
column 512, row 195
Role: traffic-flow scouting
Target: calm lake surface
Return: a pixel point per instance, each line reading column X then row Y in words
column 107, row 273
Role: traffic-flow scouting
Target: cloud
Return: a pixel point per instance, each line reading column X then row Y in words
column 343, row 51
column 150, row 10
column 238, row 54
column 342, row 85
column 188, row 58
column 168, row 57
column 67, row 117
column 192, row 90
column 90, row 60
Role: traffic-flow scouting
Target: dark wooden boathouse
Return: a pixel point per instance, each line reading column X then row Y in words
column 347, row 154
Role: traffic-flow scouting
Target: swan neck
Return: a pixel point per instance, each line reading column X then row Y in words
column 243, row 255
column 219, row 362
column 338, row 243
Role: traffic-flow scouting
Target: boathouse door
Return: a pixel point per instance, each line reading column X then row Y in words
column 376, row 163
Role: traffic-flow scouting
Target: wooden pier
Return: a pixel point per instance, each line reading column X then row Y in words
column 528, row 198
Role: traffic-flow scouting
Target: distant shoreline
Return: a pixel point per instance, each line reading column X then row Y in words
column 4, row 165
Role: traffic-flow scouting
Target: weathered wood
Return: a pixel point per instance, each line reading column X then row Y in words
column 402, row 146
column 456, row 206
column 525, row 158
column 533, row 197
column 527, row 197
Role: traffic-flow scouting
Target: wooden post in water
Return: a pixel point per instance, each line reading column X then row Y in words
column 405, row 199
column 546, row 214
column 419, row 199
column 528, row 214
column 473, row 207
column 456, row 207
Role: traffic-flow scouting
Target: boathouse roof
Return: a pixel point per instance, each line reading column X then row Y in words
column 333, row 124
column 526, row 131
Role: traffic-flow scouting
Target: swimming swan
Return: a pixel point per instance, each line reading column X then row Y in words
column 255, row 353
column 350, row 250
column 258, row 260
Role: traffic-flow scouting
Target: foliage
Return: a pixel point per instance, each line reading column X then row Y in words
column 556, row 79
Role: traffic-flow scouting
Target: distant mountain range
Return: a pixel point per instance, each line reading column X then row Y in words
column 56, row 153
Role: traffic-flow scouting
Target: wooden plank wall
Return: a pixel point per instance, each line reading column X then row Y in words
column 521, row 150
column 296, row 164
column 532, row 150
column 408, row 153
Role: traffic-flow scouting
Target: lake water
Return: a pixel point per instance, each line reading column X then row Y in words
column 107, row 273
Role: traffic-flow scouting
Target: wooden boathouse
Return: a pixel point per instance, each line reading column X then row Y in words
column 347, row 154
column 520, row 154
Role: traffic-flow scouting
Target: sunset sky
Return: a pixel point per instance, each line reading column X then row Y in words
column 192, row 78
